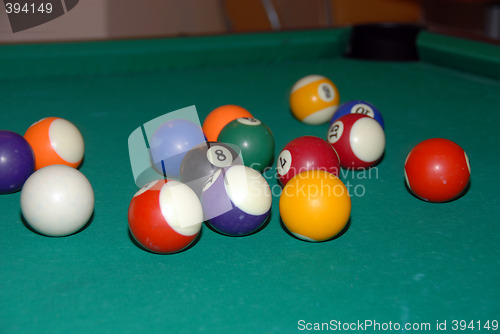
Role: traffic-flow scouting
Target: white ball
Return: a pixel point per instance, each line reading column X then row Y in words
column 57, row 200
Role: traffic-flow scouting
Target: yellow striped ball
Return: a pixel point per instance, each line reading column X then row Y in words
column 314, row 99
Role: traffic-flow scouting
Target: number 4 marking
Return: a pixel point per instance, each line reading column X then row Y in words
column 284, row 162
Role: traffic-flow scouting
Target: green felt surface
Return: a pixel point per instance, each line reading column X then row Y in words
column 464, row 55
column 402, row 260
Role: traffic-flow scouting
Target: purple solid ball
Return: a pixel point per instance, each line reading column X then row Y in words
column 17, row 161
column 224, row 215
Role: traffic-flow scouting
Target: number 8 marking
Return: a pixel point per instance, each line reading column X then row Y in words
column 219, row 156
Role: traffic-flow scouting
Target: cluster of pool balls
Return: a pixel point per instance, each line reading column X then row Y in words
column 436, row 170
column 210, row 174
column 220, row 182
column 213, row 173
column 56, row 198
column 315, row 204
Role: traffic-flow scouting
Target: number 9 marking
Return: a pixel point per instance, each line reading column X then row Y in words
column 326, row 92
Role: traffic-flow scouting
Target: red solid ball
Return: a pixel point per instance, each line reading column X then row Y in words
column 358, row 139
column 437, row 170
column 306, row 153
column 165, row 216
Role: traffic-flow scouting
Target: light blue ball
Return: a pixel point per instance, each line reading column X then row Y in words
column 170, row 142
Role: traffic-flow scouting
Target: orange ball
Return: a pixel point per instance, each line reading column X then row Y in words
column 315, row 205
column 220, row 117
column 55, row 141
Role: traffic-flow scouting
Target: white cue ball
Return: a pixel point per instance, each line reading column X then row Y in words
column 57, row 200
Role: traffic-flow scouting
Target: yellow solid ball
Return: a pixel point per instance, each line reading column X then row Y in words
column 314, row 99
column 315, row 205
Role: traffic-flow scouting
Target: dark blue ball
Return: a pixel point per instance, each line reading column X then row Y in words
column 236, row 201
column 358, row 107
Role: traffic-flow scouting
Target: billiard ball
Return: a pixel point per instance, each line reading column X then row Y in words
column 220, row 117
column 17, row 161
column 170, row 142
column 55, row 141
column 358, row 139
column 236, row 201
column 57, row 200
column 165, row 216
column 358, row 107
column 254, row 139
column 314, row 99
column 306, row 153
column 437, row 170
column 202, row 161
column 315, row 205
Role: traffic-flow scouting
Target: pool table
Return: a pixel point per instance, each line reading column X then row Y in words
column 402, row 263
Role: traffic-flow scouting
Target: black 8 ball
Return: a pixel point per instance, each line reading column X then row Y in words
column 202, row 161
